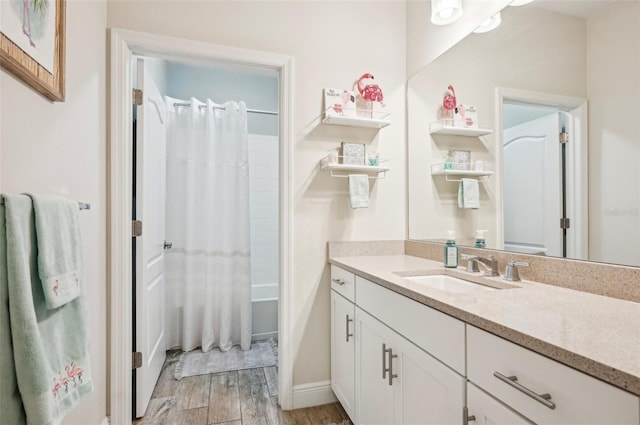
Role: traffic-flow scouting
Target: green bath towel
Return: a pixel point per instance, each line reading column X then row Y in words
column 10, row 402
column 50, row 346
column 58, row 234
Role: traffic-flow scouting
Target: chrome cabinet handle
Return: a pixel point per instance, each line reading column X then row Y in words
column 168, row 245
column 389, row 369
column 513, row 381
column 347, row 327
column 384, row 361
column 338, row 281
column 465, row 416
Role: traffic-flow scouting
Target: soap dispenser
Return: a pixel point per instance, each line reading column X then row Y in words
column 451, row 251
column 480, row 239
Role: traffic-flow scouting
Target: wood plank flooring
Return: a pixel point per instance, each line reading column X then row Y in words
column 242, row 397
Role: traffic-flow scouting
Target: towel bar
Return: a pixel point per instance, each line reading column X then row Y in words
column 81, row 205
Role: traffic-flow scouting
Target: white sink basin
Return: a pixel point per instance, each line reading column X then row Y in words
column 449, row 284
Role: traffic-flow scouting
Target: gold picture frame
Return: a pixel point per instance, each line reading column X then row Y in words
column 48, row 79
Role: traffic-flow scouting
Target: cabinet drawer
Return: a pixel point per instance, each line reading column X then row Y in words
column 440, row 335
column 577, row 397
column 343, row 282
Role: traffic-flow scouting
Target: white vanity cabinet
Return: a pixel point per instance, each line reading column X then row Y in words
column 398, row 383
column 541, row 389
column 342, row 338
column 343, row 351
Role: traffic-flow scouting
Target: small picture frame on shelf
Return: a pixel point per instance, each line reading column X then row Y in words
column 460, row 160
column 352, row 153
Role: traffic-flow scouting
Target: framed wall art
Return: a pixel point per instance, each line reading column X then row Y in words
column 32, row 44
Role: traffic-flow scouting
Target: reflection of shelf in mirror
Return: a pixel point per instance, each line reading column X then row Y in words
column 439, row 170
column 337, row 169
column 445, row 126
column 358, row 118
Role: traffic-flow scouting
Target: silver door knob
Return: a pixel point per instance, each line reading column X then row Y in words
column 168, row 245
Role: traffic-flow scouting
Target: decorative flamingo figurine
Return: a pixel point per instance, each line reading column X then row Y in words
column 370, row 92
column 449, row 101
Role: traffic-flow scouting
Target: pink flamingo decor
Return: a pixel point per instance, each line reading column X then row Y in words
column 370, row 92
column 449, row 101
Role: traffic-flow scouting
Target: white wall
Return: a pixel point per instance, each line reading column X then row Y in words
column 613, row 39
column 523, row 53
column 258, row 89
column 332, row 43
column 60, row 148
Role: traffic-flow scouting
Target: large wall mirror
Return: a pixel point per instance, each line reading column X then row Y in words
column 552, row 72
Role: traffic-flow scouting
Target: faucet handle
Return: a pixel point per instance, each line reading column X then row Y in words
column 472, row 266
column 512, row 274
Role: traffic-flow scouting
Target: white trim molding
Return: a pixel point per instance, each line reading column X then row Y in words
column 313, row 394
column 124, row 44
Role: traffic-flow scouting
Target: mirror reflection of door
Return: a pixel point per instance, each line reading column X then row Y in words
column 533, row 169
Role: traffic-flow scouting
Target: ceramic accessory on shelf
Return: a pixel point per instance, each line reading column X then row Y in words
column 373, row 159
column 370, row 92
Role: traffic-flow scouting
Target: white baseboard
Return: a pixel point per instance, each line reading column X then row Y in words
column 105, row 421
column 313, row 394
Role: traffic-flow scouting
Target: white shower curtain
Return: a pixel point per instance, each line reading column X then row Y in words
column 208, row 269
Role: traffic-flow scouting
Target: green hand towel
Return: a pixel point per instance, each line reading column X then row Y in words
column 50, row 346
column 59, row 248
column 10, row 402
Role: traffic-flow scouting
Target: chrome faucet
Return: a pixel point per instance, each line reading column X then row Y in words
column 490, row 265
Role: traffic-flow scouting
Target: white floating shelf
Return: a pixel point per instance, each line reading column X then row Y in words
column 456, row 175
column 349, row 167
column 462, row 173
column 445, row 126
column 356, row 122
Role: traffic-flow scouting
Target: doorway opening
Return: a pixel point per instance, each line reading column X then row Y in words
column 125, row 44
column 544, row 162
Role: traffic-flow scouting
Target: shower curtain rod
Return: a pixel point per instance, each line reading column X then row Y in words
column 254, row 111
column 81, row 205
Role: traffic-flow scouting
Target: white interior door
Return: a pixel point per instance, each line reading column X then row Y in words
column 533, row 187
column 150, row 209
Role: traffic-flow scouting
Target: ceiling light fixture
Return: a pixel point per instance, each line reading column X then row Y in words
column 490, row 24
column 445, row 12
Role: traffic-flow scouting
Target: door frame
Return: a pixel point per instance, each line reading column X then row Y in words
column 578, row 200
column 123, row 44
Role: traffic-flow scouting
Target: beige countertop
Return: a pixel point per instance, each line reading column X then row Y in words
column 597, row 335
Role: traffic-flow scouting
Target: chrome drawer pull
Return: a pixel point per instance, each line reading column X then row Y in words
column 338, row 281
column 513, row 381
column 347, row 327
column 384, row 361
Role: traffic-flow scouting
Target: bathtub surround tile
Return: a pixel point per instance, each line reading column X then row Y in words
column 224, row 398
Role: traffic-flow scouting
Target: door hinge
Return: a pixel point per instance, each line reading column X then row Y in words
column 136, row 228
column 136, row 360
column 564, row 137
column 137, row 97
column 565, row 223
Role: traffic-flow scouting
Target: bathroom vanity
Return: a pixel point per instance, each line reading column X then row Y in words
column 415, row 343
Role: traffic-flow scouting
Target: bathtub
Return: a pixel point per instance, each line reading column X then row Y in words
column 264, row 304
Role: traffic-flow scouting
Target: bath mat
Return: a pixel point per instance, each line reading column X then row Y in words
column 262, row 354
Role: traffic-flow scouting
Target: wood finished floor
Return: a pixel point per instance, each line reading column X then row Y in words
column 242, row 397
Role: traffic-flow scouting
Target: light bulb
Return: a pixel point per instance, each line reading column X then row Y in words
column 445, row 12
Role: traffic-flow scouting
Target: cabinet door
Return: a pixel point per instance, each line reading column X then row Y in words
column 427, row 391
column 343, row 351
column 487, row 411
column 374, row 395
